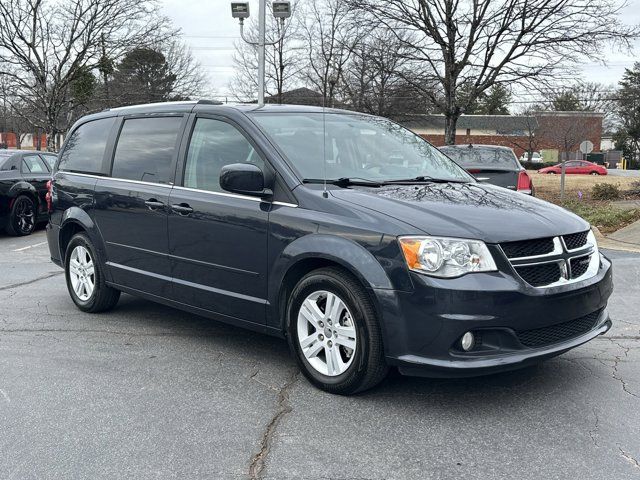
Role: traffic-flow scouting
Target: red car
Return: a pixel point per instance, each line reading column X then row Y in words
column 579, row 167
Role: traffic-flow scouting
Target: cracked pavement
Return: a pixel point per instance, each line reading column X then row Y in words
column 147, row 391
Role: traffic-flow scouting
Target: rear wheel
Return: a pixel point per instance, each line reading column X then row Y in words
column 334, row 333
column 22, row 220
column 85, row 277
column 595, row 173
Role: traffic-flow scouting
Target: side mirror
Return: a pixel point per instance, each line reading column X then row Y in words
column 244, row 178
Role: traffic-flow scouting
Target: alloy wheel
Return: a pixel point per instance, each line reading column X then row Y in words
column 326, row 333
column 82, row 273
column 25, row 216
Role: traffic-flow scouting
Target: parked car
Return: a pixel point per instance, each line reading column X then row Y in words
column 345, row 233
column 23, row 186
column 492, row 164
column 536, row 157
column 576, row 167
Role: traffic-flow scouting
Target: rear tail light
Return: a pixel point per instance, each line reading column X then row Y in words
column 49, row 196
column 524, row 183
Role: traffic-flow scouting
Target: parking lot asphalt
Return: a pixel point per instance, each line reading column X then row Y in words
column 147, row 391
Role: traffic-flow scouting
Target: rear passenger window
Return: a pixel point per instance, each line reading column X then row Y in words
column 84, row 150
column 33, row 164
column 146, row 148
column 50, row 160
column 213, row 145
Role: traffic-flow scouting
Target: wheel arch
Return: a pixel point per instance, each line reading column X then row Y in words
column 317, row 251
column 23, row 188
column 76, row 220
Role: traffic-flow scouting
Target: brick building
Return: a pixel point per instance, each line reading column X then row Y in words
column 555, row 131
column 28, row 141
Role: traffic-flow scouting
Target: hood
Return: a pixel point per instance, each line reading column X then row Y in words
column 467, row 210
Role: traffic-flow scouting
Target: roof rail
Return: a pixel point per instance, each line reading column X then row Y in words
column 180, row 102
column 209, row 102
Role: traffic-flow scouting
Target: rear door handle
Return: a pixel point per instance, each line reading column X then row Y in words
column 182, row 208
column 154, row 204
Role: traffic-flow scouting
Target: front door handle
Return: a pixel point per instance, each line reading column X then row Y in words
column 182, row 208
column 154, row 204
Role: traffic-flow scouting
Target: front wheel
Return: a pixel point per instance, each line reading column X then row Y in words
column 85, row 277
column 334, row 333
column 595, row 173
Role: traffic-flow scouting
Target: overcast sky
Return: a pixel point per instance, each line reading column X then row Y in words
column 211, row 32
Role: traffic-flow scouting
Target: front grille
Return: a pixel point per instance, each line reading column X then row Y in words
column 541, row 274
column 539, row 337
column 575, row 240
column 528, row 248
column 579, row 266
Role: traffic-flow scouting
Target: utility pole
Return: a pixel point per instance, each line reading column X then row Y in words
column 281, row 10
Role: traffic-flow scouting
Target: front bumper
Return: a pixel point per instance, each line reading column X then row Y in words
column 422, row 329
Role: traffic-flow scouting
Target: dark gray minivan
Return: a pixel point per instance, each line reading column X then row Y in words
column 355, row 239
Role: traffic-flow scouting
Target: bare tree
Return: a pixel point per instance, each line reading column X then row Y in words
column 190, row 79
column 45, row 45
column 482, row 43
column 332, row 35
column 529, row 142
column 373, row 82
column 282, row 59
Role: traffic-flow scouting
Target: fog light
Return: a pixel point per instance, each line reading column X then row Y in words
column 467, row 342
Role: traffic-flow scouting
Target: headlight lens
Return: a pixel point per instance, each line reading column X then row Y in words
column 446, row 257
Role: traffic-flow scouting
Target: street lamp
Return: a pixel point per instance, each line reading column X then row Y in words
column 281, row 10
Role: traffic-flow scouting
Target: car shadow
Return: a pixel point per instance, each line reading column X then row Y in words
column 517, row 385
column 39, row 228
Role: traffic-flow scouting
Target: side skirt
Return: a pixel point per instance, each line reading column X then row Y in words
column 199, row 311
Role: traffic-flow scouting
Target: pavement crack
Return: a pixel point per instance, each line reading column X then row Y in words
column 615, row 373
column 29, row 282
column 629, row 458
column 593, row 433
column 258, row 462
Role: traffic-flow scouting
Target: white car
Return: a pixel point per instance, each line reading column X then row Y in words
column 536, row 157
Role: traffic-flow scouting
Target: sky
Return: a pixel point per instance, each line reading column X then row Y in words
column 210, row 31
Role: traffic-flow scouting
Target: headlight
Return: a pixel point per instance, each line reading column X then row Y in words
column 446, row 257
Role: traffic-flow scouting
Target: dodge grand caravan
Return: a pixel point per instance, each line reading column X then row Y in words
column 355, row 239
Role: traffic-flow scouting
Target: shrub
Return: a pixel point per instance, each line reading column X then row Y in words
column 634, row 188
column 605, row 191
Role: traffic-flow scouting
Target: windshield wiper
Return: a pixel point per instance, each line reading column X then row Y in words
column 424, row 179
column 345, row 181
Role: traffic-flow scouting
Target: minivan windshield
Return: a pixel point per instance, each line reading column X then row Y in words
column 366, row 148
column 483, row 157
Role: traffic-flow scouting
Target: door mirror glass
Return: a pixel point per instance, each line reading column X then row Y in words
column 243, row 178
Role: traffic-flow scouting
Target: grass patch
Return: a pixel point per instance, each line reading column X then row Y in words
column 603, row 215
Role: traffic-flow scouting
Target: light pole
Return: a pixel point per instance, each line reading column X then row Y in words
column 281, row 10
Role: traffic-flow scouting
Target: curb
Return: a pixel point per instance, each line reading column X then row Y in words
column 611, row 244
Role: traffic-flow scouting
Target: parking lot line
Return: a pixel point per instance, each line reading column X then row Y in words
column 29, row 246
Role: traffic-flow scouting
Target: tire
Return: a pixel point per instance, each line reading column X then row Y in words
column 594, row 173
column 22, row 219
column 101, row 297
column 356, row 369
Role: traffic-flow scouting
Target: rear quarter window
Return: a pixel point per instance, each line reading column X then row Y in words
column 84, row 149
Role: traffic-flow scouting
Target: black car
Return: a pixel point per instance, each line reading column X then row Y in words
column 23, row 187
column 492, row 164
column 347, row 234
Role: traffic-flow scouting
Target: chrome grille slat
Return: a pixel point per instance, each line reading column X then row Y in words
column 566, row 259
